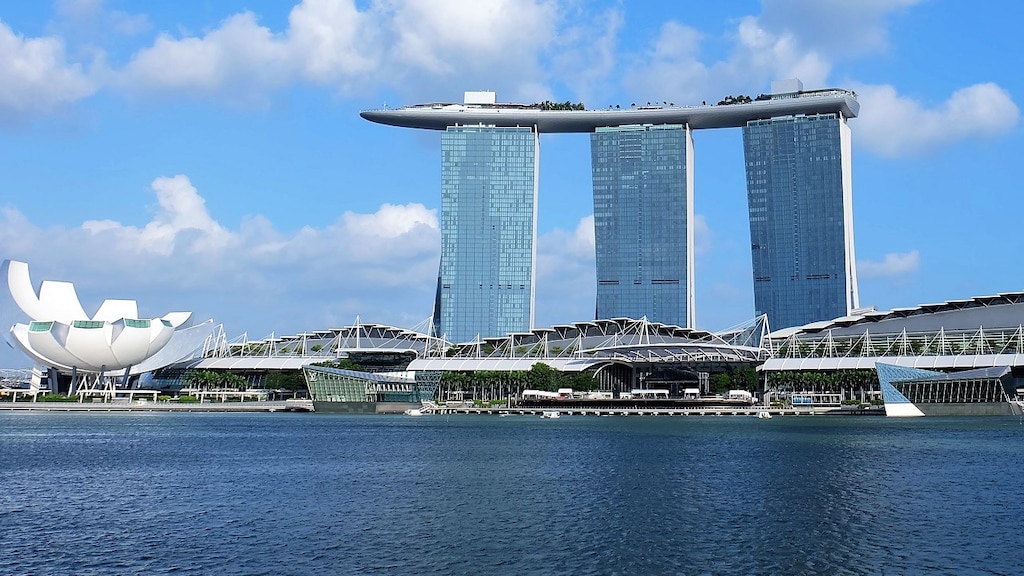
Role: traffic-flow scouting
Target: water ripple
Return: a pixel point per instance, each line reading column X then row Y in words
column 250, row 494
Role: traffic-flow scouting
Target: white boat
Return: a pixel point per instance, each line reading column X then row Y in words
column 550, row 414
column 764, row 415
column 413, row 412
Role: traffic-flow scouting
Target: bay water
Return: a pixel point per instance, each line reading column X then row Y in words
column 226, row 494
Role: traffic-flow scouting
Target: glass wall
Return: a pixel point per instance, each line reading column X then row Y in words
column 642, row 213
column 488, row 220
column 335, row 385
column 798, row 194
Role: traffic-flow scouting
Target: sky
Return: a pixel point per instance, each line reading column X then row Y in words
column 209, row 156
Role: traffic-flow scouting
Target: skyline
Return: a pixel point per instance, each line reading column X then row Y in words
column 213, row 159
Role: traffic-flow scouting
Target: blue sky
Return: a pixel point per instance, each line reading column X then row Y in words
column 209, row 155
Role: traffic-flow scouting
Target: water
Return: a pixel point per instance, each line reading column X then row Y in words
column 225, row 494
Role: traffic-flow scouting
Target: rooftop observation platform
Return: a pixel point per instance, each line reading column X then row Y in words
column 439, row 116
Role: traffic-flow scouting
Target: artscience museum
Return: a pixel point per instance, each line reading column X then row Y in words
column 79, row 353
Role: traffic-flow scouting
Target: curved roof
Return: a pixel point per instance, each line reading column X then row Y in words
column 441, row 116
column 292, row 352
column 1001, row 310
column 977, row 332
column 946, row 362
column 567, row 347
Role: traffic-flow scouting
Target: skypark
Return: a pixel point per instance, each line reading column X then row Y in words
column 478, row 109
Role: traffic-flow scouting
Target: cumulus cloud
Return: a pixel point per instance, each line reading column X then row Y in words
column 566, row 275
column 788, row 40
column 334, row 43
column 893, row 264
column 585, row 55
column 332, row 39
column 672, row 66
column 391, row 221
column 405, row 45
column 780, row 55
column 836, row 28
column 181, row 213
column 35, row 78
column 381, row 266
column 443, row 37
column 896, row 126
column 239, row 58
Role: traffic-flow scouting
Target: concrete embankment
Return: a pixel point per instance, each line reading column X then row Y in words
column 276, row 406
column 730, row 411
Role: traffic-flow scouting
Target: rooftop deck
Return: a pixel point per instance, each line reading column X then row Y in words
column 439, row 116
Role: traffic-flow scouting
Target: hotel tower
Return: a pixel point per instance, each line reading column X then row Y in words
column 798, row 168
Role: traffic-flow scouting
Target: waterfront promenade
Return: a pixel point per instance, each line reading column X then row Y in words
column 304, row 405
column 144, row 406
column 716, row 411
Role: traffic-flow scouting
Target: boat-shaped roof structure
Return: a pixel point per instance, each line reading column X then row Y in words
column 439, row 116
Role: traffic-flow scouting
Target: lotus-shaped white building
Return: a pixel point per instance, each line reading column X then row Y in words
column 61, row 335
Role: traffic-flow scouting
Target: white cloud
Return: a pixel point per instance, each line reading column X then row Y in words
column 895, row 126
column 893, row 264
column 182, row 214
column 518, row 48
column 762, row 52
column 837, row 28
column 445, row 37
column 566, row 275
column 391, row 221
column 332, row 39
column 585, row 54
column 35, row 78
column 331, row 42
column 672, row 67
column 240, row 58
column 787, row 41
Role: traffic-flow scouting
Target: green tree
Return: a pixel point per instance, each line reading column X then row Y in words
column 741, row 99
column 744, row 378
column 286, row 380
column 720, row 383
column 543, row 377
column 341, row 364
column 212, row 379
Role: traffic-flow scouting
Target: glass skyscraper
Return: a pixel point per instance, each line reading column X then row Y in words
column 799, row 197
column 643, row 214
column 488, row 232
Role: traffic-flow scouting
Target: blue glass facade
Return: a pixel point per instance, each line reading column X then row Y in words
column 799, row 197
column 488, row 232
column 643, row 210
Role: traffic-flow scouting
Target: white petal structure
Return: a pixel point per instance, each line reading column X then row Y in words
column 63, row 336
